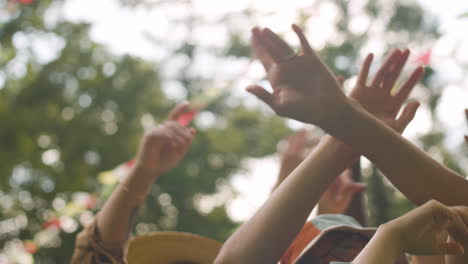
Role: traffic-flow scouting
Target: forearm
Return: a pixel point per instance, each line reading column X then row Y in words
column 282, row 175
column 403, row 163
column 383, row 248
column 119, row 212
column 265, row 237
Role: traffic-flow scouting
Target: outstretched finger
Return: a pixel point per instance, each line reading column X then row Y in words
column 281, row 50
column 260, row 51
column 354, row 188
column 390, row 79
column 407, row 115
column 364, row 73
column 352, row 185
column 177, row 111
column 406, row 89
column 306, row 48
column 262, row 94
column 379, row 76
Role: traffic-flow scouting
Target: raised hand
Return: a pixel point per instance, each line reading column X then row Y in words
column 165, row 145
column 338, row 196
column 303, row 87
column 377, row 97
column 424, row 230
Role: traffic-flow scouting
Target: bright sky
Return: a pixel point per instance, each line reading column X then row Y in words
column 122, row 31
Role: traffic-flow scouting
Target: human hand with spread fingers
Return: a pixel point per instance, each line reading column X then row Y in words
column 304, row 89
column 377, row 97
column 266, row 236
column 300, row 81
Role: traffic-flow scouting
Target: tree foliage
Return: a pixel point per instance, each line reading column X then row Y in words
column 81, row 110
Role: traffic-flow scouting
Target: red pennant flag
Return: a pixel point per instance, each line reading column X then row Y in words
column 425, row 58
column 187, row 117
column 26, row 2
column 54, row 222
column 30, row 247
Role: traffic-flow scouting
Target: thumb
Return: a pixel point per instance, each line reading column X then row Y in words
column 350, row 190
column 262, row 94
column 356, row 187
column 407, row 115
column 178, row 110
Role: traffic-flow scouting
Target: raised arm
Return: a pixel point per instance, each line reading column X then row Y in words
column 160, row 150
column 305, row 90
column 341, row 192
column 265, row 237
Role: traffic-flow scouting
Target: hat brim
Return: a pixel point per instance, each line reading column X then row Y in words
column 367, row 232
column 167, row 247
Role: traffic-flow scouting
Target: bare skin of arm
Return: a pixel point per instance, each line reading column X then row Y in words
column 305, row 90
column 160, row 150
column 341, row 192
column 423, row 231
column 265, row 237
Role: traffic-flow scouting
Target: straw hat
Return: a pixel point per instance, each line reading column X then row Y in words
column 172, row 247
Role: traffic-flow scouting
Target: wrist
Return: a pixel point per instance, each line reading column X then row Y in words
column 137, row 185
column 144, row 174
column 341, row 151
column 384, row 247
column 321, row 209
column 334, row 118
column 394, row 234
column 341, row 147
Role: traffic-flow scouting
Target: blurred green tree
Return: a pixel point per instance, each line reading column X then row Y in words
column 81, row 110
